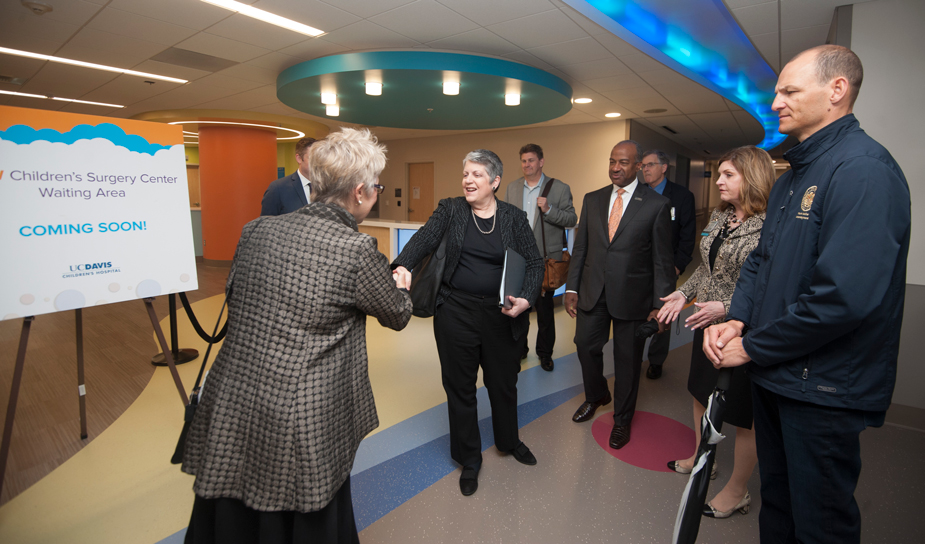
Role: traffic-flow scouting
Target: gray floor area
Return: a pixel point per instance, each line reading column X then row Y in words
column 580, row 493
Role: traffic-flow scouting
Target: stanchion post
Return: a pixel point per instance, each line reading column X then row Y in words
column 14, row 396
column 180, row 356
column 81, row 385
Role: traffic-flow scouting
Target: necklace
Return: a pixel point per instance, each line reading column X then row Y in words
column 493, row 219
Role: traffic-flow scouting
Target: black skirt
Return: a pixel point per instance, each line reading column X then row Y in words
column 702, row 380
column 229, row 521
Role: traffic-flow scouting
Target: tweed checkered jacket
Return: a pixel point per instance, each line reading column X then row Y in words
column 720, row 283
column 454, row 214
column 288, row 399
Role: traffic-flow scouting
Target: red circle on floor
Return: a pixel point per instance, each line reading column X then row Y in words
column 654, row 440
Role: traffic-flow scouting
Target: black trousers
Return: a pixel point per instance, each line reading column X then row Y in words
column 592, row 331
column 546, row 325
column 659, row 346
column 471, row 332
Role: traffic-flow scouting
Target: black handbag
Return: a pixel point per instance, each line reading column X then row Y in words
column 194, row 397
column 426, row 279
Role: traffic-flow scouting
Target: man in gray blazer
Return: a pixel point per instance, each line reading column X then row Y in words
column 289, row 193
column 621, row 265
column 552, row 213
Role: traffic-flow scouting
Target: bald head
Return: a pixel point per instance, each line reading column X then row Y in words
column 834, row 61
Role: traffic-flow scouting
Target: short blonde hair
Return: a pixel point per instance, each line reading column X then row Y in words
column 758, row 177
column 343, row 160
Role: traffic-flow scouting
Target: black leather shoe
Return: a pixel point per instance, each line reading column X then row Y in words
column 546, row 363
column 654, row 372
column 620, row 436
column 523, row 354
column 469, row 480
column 523, row 454
column 587, row 409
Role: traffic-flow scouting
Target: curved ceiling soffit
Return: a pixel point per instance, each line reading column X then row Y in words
column 412, row 90
column 700, row 40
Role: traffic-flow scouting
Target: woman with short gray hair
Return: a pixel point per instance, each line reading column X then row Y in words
column 288, row 399
column 470, row 329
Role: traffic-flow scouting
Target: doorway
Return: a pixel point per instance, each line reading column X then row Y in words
column 420, row 191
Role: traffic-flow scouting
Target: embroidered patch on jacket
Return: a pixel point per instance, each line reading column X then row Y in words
column 826, row 389
column 806, row 203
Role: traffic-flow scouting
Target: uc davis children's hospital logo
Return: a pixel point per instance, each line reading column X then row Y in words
column 808, row 197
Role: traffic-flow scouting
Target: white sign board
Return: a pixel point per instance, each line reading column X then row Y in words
column 93, row 210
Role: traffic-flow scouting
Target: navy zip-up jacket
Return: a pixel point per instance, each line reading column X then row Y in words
column 822, row 294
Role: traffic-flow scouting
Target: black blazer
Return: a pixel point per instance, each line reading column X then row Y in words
column 284, row 195
column 683, row 223
column 634, row 270
column 453, row 214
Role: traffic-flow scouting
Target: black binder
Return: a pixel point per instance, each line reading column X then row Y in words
column 512, row 278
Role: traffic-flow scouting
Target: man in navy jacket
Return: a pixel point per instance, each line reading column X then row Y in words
column 289, row 193
column 818, row 306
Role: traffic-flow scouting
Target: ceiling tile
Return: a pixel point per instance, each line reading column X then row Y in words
column 313, row 48
column 719, row 123
column 321, row 15
column 757, row 19
column 66, row 81
column 649, row 102
column 13, row 66
column 222, row 81
column 476, row 41
column 247, row 30
column 365, row 8
column 424, row 21
column 275, row 62
column 527, row 58
column 125, row 23
column 540, row 29
column 640, row 62
column 21, row 30
column 489, row 12
column 800, row 14
column 633, row 94
column 735, row 4
column 588, row 25
column 250, row 72
column 768, row 45
column 193, row 95
column 126, row 90
column 794, row 42
column 223, row 48
column 366, row 35
column 596, row 70
column 170, row 70
column 571, row 52
column 750, row 126
column 188, row 13
column 246, row 100
column 615, row 45
column 732, row 105
column 90, row 45
column 615, row 83
column 72, row 12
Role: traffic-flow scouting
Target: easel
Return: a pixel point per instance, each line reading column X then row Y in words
column 81, row 388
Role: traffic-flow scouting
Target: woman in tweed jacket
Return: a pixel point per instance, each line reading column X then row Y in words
column 469, row 327
column 746, row 175
column 288, row 399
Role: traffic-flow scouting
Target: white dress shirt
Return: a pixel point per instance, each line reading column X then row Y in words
column 306, row 186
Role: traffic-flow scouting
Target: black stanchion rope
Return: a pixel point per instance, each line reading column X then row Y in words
column 199, row 330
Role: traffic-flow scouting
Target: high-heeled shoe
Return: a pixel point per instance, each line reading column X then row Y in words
column 742, row 507
column 676, row 466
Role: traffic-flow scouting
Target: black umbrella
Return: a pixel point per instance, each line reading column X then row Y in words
column 695, row 494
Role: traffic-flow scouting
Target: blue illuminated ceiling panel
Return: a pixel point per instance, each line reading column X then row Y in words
column 700, row 40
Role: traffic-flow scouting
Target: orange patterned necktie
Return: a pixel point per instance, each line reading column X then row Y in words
column 616, row 213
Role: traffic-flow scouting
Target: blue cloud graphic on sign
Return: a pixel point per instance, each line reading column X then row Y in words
column 23, row 134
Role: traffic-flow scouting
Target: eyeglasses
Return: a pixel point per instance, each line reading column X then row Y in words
column 651, row 164
column 379, row 188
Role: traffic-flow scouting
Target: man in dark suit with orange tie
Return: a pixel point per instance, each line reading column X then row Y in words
column 289, row 193
column 621, row 265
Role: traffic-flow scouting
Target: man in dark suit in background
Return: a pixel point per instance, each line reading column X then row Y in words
column 289, row 193
column 621, row 266
column 683, row 232
column 552, row 213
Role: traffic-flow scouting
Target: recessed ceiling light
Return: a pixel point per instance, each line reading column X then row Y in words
column 332, row 110
column 50, row 58
column 298, row 134
column 656, row 110
column 27, row 95
column 373, row 88
column 582, row 100
column 612, row 114
column 451, row 88
column 328, row 98
column 266, row 17
column 512, row 99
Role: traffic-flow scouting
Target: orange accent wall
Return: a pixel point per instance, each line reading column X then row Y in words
column 236, row 164
column 155, row 133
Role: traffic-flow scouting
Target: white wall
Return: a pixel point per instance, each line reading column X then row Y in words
column 577, row 154
column 887, row 36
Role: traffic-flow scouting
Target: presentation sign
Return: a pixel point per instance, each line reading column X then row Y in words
column 93, row 210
